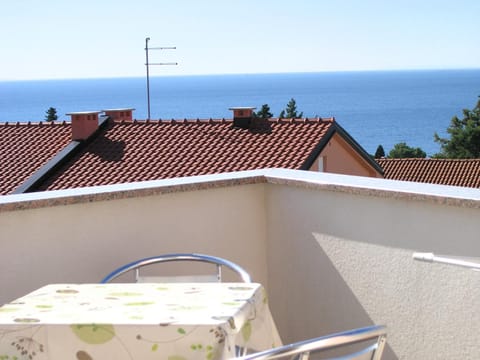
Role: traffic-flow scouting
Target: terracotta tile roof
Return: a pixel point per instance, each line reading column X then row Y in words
column 456, row 172
column 147, row 150
column 25, row 147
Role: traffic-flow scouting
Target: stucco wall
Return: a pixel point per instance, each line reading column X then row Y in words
column 335, row 252
column 84, row 242
column 340, row 158
column 342, row 261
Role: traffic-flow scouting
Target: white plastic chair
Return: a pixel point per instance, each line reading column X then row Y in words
column 371, row 341
column 216, row 277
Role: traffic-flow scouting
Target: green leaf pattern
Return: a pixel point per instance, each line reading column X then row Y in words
column 247, row 331
column 94, row 333
column 231, row 327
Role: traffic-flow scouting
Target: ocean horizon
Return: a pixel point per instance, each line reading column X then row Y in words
column 375, row 107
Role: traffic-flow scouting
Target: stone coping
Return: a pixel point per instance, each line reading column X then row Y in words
column 354, row 185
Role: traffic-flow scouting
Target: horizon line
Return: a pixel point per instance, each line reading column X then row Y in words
column 242, row 74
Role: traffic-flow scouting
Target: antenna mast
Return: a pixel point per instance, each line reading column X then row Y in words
column 147, row 64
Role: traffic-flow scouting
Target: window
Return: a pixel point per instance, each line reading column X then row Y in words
column 321, row 164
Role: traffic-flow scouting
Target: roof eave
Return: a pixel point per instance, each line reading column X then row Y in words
column 39, row 176
column 336, row 128
column 360, row 150
column 318, row 149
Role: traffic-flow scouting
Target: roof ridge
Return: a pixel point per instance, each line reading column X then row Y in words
column 173, row 121
column 430, row 159
column 224, row 120
column 302, row 120
column 35, row 123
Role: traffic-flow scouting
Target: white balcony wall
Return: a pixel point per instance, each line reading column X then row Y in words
column 334, row 252
column 84, row 242
column 341, row 260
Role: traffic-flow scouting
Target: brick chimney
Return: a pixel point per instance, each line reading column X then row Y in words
column 120, row 114
column 242, row 116
column 84, row 124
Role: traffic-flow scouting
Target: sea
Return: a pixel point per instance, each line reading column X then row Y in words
column 374, row 107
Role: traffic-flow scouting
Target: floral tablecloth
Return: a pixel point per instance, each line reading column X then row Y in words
column 173, row 321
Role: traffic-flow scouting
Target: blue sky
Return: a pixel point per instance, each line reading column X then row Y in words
column 53, row 39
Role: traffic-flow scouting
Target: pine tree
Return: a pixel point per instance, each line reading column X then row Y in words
column 464, row 141
column 291, row 110
column 380, row 153
column 264, row 112
column 51, row 114
column 402, row 151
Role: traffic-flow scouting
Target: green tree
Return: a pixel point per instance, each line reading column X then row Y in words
column 380, row 152
column 51, row 114
column 264, row 112
column 402, row 150
column 290, row 111
column 464, row 141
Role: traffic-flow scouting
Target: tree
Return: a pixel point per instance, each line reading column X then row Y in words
column 51, row 114
column 464, row 141
column 402, row 150
column 380, row 153
column 290, row 111
column 264, row 112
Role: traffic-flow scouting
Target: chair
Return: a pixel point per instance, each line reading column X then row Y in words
column 372, row 340
column 217, row 261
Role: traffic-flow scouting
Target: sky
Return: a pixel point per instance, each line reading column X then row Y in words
column 58, row 39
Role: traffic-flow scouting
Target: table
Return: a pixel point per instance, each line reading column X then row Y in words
column 174, row 321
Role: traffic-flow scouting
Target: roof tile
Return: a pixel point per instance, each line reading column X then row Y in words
column 126, row 151
column 174, row 148
column 26, row 147
column 456, row 172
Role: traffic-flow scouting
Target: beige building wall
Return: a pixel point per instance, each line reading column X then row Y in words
column 338, row 157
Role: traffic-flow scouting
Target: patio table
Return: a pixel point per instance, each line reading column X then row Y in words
column 174, row 321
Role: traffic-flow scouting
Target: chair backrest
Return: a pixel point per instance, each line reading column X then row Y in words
column 371, row 341
column 217, row 261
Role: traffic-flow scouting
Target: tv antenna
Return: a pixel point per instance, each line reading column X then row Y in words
column 147, row 64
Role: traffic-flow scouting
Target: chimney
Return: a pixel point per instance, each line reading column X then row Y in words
column 242, row 116
column 84, row 124
column 120, row 114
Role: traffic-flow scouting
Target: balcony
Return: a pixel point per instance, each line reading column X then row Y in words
column 333, row 251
